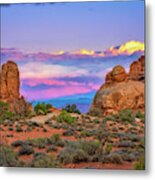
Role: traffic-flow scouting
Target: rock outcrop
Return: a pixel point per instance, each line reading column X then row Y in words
column 10, row 82
column 118, row 74
column 10, row 88
column 120, row 90
column 137, row 70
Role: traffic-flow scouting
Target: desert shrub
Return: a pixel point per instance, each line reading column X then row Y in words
column 8, row 158
column 140, row 115
column 5, row 113
column 109, row 118
column 44, row 161
column 112, row 158
column 18, row 143
column 38, row 142
column 71, row 108
column 115, row 129
column 65, row 117
column 128, row 157
column 126, row 144
column 126, row 115
column 86, row 133
column 51, row 148
column 140, row 165
column 49, row 106
column 55, row 137
column 25, row 150
column 101, row 135
column 48, row 122
column 42, row 108
column 56, row 140
column 10, row 128
column 69, row 132
column 96, row 121
column 108, row 148
column 90, row 147
column 44, row 130
column 19, row 129
column 81, row 151
column 34, row 124
column 71, row 155
column 96, row 112
column 38, row 155
column 134, row 137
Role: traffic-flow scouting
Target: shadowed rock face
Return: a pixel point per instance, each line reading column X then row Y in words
column 121, row 90
column 10, row 88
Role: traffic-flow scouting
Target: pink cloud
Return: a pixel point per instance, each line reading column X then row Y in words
column 54, row 92
column 33, row 82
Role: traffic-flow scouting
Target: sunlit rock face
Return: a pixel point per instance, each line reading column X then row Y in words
column 121, row 90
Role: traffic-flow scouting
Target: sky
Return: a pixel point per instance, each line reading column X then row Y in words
column 66, row 49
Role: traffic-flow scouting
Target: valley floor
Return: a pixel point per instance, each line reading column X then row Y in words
column 73, row 141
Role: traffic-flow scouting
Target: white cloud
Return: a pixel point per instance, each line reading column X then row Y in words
column 42, row 70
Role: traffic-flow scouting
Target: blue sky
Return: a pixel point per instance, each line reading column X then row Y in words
column 71, row 26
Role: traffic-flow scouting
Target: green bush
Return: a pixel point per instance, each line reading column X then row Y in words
column 109, row 118
column 125, row 144
column 44, row 161
column 65, row 117
column 86, row 133
column 5, row 113
column 51, row 148
column 42, row 108
column 81, row 151
column 39, row 142
column 55, row 137
column 113, row 158
column 96, row 112
column 108, row 148
column 72, row 108
column 25, row 150
column 96, row 121
column 69, row 132
column 8, row 158
column 19, row 129
column 18, row 143
column 125, row 115
column 140, row 165
column 140, row 115
column 71, row 155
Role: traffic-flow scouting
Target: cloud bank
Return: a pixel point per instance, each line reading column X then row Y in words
column 49, row 75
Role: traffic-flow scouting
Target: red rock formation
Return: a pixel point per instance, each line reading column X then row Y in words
column 10, row 88
column 137, row 70
column 10, row 81
column 120, row 90
column 118, row 74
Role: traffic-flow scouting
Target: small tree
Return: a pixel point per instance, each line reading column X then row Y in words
column 42, row 108
column 72, row 108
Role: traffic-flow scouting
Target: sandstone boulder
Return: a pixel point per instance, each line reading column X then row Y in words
column 120, row 90
column 112, row 99
column 117, row 74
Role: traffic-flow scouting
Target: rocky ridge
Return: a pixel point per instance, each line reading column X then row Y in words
column 121, row 90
